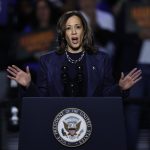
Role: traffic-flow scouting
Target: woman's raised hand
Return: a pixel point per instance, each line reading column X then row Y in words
column 21, row 77
column 130, row 79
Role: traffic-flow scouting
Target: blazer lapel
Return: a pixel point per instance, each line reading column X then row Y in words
column 93, row 74
column 57, row 64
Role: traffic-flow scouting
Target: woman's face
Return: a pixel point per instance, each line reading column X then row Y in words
column 74, row 34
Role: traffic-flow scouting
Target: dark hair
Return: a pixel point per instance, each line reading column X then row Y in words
column 88, row 41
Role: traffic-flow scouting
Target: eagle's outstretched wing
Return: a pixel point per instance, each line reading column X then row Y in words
column 78, row 126
column 63, row 132
column 66, row 126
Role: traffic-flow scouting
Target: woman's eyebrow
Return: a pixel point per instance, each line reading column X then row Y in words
column 74, row 24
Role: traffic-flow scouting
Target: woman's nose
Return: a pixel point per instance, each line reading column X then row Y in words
column 74, row 31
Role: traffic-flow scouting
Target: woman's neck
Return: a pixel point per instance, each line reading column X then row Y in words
column 74, row 50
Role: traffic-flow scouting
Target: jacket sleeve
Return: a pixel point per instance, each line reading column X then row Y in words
column 110, row 88
column 41, row 88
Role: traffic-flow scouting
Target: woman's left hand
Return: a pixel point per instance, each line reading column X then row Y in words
column 130, row 79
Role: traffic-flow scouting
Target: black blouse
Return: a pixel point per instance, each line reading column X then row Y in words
column 74, row 76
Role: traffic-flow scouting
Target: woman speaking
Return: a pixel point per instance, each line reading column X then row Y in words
column 76, row 68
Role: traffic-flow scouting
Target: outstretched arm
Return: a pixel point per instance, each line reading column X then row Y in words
column 21, row 77
column 126, row 82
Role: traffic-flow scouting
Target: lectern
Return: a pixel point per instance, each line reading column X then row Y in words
column 88, row 123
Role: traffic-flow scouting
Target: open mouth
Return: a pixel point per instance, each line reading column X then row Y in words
column 74, row 40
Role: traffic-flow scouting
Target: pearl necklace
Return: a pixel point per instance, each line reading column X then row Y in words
column 76, row 60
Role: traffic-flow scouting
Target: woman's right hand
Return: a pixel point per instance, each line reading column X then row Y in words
column 21, row 77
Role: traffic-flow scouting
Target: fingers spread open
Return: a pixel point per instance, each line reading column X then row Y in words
column 138, row 79
column 11, row 72
column 136, row 75
column 132, row 72
column 12, row 69
column 10, row 77
column 15, row 67
column 136, row 72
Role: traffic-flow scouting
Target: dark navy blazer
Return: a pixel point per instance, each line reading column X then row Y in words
column 99, row 76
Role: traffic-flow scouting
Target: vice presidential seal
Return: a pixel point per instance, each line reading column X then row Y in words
column 72, row 127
